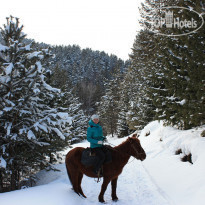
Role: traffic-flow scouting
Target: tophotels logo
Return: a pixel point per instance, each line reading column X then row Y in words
column 169, row 22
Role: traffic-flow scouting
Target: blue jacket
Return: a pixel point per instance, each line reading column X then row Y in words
column 94, row 134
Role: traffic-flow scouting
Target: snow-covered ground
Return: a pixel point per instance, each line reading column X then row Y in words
column 183, row 182
column 162, row 179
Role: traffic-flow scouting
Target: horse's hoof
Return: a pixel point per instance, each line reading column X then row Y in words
column 115, row 199
column 102, row 200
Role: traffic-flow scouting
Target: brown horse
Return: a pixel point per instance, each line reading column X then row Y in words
column 111, row 171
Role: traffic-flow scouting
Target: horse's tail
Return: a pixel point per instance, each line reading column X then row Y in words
column 69, row 176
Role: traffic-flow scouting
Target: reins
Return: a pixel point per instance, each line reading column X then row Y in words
column 123, row 152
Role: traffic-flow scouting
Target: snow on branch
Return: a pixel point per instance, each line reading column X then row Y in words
column 9, row 68
column 3, row 48
column 31, row 135
column 59, row 133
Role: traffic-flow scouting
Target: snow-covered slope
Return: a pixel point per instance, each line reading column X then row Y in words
column 183, row 182
column 161, row 179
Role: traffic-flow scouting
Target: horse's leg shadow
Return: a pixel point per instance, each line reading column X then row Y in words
column 114, row 186
column 80, row 176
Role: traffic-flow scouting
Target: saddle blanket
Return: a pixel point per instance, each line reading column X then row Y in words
column 89, row 158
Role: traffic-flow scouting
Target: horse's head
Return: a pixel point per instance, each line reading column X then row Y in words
column 136, row 149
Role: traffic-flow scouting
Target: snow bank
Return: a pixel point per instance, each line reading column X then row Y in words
column 183, row 182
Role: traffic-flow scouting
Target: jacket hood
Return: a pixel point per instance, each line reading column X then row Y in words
column 91, row 123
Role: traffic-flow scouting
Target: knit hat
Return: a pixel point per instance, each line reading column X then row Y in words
column 95, row 117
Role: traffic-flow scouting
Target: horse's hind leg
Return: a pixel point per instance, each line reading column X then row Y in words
column 74, row 179
column 80, row 176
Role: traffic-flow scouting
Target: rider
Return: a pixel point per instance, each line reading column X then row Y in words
column 95, row 137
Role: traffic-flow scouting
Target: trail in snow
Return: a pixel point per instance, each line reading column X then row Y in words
column 135, row 187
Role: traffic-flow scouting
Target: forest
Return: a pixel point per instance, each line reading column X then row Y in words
column 49, row 92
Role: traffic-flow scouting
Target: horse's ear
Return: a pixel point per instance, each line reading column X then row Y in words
column 130, row 139
column 135, row 135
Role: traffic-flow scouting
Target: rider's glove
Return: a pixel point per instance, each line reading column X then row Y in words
column 100, row 142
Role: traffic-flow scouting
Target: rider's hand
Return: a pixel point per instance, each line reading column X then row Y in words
column 105, row 140
column 100, row 142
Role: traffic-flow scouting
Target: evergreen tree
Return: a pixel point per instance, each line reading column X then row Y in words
column 109, row 105
column 177, row 86
column 31, row 127
column 137, row 83
column 122, row 124
column 79, row 118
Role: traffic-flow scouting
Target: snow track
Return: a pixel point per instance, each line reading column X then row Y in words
column 134, row 188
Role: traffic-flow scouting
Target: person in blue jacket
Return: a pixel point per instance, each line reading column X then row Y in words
column 95, row 137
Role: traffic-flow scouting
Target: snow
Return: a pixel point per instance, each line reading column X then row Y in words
column 3, row 48
column 182, row 102
column 9, row 128
column 161, row 179
column 28, row 47
column 33, row 54
column 7, row 109
column 9, row 68
column 43, row 127
column 59, row 133
column 48, row 87
column 2, row 162
column 39, row 66
column 64, row 116
column 183, row 182
column 31, row 135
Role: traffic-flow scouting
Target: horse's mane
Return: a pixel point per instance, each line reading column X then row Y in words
column 134, row 137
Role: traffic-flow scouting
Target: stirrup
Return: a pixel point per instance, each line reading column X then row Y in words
column 99, row 175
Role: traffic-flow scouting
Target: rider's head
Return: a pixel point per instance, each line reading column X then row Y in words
column 95, row 118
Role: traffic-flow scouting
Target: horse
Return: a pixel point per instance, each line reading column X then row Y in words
column 111, row 171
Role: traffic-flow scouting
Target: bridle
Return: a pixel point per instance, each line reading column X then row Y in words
column 134, row 148
column 123, row 152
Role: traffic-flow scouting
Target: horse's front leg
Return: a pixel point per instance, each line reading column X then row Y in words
column 114, row 186
column 103, row 189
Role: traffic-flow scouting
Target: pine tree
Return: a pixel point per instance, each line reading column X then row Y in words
column 31, row 127
column 122, row 122
column 109, row 105
column 137, row 82
column 177, row 87
column 79, row 118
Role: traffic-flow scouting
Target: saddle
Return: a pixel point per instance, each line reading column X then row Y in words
column 89, row 157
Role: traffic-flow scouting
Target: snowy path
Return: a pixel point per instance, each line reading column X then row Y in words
column 135, row 187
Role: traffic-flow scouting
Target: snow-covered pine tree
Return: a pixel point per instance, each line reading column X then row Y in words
column 185, row 59
column 140, row 110
column 108, row 106
column 71, row 104
column 122, row 124
column 79, row 118
column 30, row 124
column 177, row 85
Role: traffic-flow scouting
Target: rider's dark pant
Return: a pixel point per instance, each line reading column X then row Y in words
column 101, row 158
